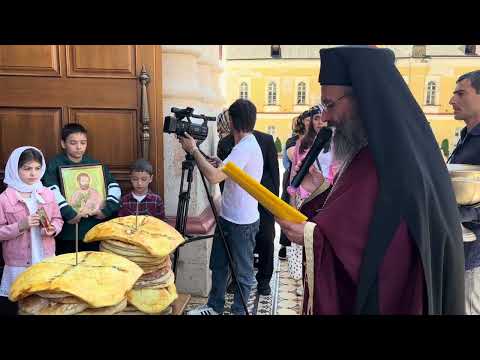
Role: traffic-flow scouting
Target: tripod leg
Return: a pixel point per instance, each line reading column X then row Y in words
column 182, row 212
column 225, row 243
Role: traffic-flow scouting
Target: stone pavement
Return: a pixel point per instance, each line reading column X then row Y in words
column 282, row 301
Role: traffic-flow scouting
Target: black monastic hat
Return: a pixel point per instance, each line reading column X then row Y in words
column 334, row 62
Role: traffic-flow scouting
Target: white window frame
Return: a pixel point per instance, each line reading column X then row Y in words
column 275, row 94
column 431, row 98
column 236, row 91
column 243, row 90
column 306, row 81
column 301, row 93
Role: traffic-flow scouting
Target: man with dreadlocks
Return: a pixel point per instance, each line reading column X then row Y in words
column 385, row 238
column 309, row 183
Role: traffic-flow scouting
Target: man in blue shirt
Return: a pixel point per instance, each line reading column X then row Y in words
column 466, row 106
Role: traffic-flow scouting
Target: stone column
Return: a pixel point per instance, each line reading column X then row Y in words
column 187, row 81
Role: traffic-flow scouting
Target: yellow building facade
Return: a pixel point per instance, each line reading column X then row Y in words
column 281, row 88
column 432, row 81
column 285, row 83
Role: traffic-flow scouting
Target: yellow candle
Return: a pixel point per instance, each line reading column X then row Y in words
column 269, row 201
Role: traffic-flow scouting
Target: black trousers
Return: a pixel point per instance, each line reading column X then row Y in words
column 68, row 246
column 264, row 246
column 7, row 308
column 284, row 240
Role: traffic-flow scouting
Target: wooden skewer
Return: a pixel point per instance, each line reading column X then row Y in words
column 76, row 244
column 136, row 218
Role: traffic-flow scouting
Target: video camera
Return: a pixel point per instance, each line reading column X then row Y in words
column 176, row 125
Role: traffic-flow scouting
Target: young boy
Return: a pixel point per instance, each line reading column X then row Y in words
column 141, row 200
column 74, row 144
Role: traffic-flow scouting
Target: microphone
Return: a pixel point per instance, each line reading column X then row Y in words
column 323, row 137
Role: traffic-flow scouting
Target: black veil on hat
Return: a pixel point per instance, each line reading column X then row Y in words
column 414, row 184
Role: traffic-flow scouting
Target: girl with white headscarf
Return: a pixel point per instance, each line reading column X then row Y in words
column 26, row 238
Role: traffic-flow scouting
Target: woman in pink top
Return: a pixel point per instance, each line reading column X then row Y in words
column 24, row 240
column 323, row 170
column 294, row 251
column 323, row 167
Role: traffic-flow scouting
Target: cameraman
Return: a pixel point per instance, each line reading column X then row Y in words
column 264, row 241
column 239, row 216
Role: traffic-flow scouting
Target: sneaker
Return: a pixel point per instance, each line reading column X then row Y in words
column 203, row 310
column 300, row 291
column 282, row 253
column 264, row 290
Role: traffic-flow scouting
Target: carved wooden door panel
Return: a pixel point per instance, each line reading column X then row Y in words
column 43, row 87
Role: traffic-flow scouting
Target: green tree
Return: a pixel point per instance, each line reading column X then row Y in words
column 444, row 147
column 278, row 145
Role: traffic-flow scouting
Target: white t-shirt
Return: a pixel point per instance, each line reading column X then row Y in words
column 139, row 198
column 238, row 206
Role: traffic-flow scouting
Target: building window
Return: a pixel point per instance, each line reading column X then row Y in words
column 419, row 51
column 431, row 92
column 272, row 130
column 272, row 93
column 276, row 51
column 470, row 50
column 244, row 91
column 301, row 93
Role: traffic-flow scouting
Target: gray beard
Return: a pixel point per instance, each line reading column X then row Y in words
column 348, row 139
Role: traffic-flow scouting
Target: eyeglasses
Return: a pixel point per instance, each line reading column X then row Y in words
column 330, row 105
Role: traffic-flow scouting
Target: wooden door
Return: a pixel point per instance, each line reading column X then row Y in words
column 44, row 87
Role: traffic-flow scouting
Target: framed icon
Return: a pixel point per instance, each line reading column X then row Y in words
column 83, row 187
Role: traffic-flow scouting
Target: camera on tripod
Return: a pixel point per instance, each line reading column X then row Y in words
column 177, row 125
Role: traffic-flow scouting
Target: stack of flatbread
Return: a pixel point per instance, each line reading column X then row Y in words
column 148, row 242
column 98, row 285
